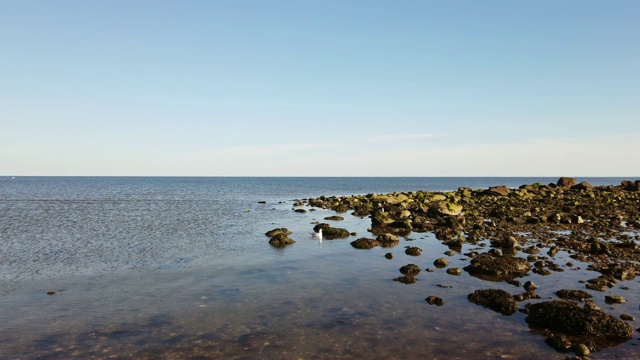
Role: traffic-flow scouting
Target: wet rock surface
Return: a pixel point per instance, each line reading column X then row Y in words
column 498, row 267
column 495, row 299
column 582, row 322
column 522, row 232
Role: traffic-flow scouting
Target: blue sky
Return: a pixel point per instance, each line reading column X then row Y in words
column 320, row 88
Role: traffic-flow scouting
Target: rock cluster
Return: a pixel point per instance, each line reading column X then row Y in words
column 597, row 225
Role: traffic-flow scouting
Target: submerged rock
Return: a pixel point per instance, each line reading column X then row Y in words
column 494, row 299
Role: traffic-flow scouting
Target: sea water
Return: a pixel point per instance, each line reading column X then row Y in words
column 128, row 267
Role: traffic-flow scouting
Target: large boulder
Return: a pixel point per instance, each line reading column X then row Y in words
column 494, row 299
column 573, row 319
column 566, row 182
column 497, row 267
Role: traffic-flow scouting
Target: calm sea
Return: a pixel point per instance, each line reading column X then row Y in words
column 159, row 267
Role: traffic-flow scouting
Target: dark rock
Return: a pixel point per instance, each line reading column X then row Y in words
column 365, row 243
column 406, row 279
column 579, row 295
column 334, row 218
column 388, row 256
column 410, row 270
column 331, row 233
column 566, row 182
column 530, row 286
column 413, row 251
column 434, row 300
column 627, row 317
column 495, row 299
column 280, row 240
column 572, row 319
column 498, row 267
column 614, row 299
column 274, row 232
column 559, row 342
column 300, row 210
column 630, row 186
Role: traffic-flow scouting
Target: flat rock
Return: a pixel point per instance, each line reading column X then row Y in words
column 498, row 267
column 579, row 295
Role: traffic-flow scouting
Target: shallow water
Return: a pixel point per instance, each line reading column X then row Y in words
column 208, row 284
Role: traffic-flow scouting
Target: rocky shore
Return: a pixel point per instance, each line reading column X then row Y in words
column 518, row 231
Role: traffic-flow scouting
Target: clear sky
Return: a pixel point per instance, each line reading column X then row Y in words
column 320, row 88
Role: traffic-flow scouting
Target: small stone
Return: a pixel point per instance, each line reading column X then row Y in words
column 441, row 262
column 614, row 299
column 582, row 350
column 627, row 317
column 51, row 292
column 454, row 271
column 434, row 300
column 530, row 286
column 413, row 251
column 388, row 256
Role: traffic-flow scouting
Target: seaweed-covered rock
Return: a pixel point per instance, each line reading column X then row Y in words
column 274, row 232
column 410, row 270
column 406, row 280
column 365, row 243
column 494, row 299
column 498, row 267
column 448, row 208
column 280, row 240
column 573, row 319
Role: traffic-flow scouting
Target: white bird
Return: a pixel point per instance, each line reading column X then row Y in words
column 317, row 235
